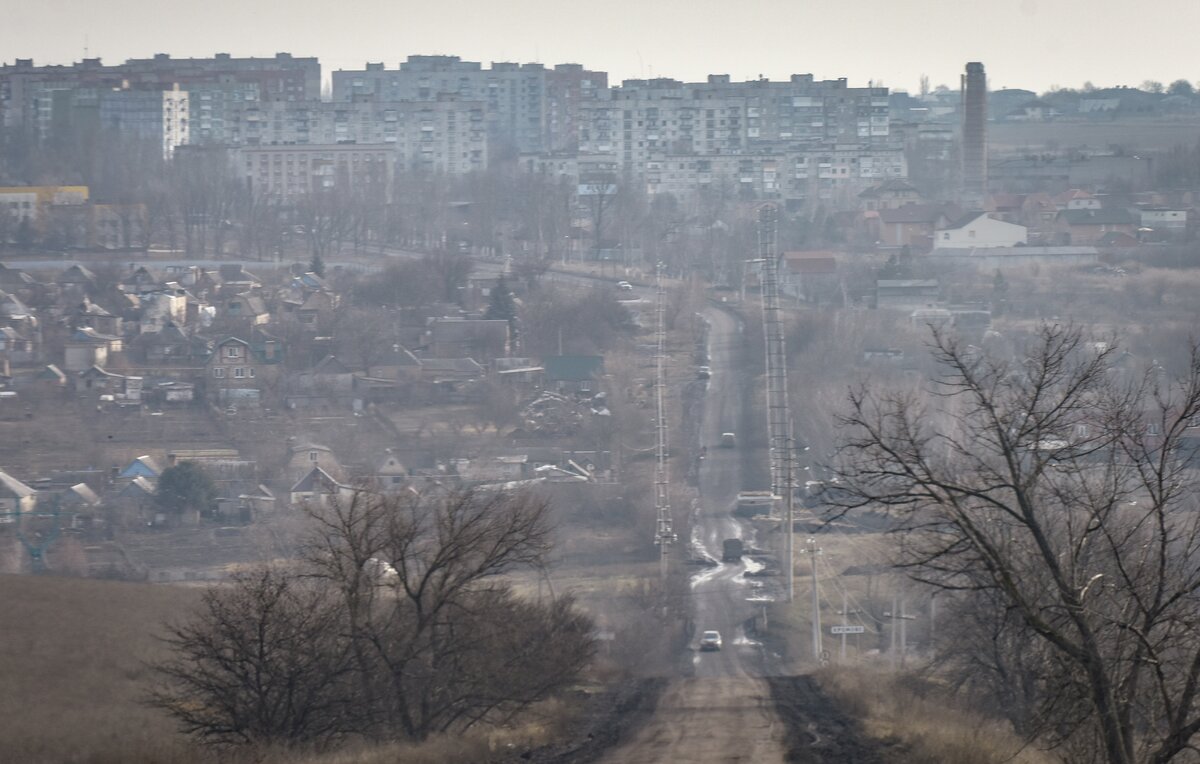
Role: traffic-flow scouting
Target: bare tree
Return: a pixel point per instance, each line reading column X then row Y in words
column 264, row 662
column 1052, row 487
column 440, row 640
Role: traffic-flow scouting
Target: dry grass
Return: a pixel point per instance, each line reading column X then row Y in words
column 73, row 655
column 72, row 658
column 927, row 725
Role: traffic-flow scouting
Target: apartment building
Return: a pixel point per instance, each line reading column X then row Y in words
column 297, row 170
column 528, row 108
column 158, row 115
column 27, row 91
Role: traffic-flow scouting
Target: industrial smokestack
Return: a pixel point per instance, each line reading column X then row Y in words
column 974, row 134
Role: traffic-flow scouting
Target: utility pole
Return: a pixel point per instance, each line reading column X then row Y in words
column 845, row 620
column 812, row 550
column 892, row 645
column 903, row 635
column 664, row 534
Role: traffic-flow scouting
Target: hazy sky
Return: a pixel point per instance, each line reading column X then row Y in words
column 1023, row 43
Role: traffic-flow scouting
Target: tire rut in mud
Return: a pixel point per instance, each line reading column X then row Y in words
column 608, row 720
column 817, row 731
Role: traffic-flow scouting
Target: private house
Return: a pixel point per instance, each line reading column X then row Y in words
column 906, row 294
column 170, row 346
column 303, row 457
column 449, row 380
column 158, row 309
column 330, row 382
column 810, row 276
column 257, row 501
column 51, row 377
column 318, row 488
column 234, row 277
column 316, row 310
column 76, row 280
column 978, row 230
column 141, row 280
column 477, row 338
column 238, row 369
column 391, row 474
column 16, row 498
column 16, row 348
column 889, row 195
column 247, row 307
column 573, row 373
column 109, row 386
column 1005, row 207
column 138, row 496
column 87, row 348
column 1088, row 226
column 914, row 225
column 143, row 466
column 98, row 318
column 1075, row 199
column 1167, row 219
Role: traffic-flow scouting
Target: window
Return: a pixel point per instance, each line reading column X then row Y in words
column 219, row 372
column 250, row 372
column 233, row 351
column 239, row 372
column 312, row 456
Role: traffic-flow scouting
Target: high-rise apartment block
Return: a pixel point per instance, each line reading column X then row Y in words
column 791, row 140
column 530, row 108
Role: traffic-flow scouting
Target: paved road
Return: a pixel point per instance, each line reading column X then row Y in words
column 725, row 711
column 723, row 596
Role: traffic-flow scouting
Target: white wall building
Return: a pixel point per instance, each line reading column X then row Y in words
column 977, row 230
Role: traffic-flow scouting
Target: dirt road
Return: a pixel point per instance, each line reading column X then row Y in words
column 721, row 719
column 724, row 710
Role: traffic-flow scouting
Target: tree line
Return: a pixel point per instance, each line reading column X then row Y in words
column 397, row 622
column 1050, row 496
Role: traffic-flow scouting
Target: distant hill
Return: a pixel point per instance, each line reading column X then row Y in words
column 72, row 663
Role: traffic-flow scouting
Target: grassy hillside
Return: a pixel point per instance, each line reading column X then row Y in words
column 72, row 663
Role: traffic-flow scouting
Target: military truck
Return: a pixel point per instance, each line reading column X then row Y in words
column 732, row 550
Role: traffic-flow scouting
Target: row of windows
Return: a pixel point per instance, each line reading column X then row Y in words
column 239, row 372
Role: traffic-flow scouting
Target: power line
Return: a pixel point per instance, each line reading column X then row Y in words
column 665, row 533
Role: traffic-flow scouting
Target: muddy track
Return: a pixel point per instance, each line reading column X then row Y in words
column 607, row 720
column 817, row 731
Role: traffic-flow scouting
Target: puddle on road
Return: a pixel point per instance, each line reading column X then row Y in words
column 706, row 575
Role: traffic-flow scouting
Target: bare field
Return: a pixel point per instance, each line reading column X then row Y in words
column 73, row 658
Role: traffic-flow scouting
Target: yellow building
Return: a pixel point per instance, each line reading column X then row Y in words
column 33, row 202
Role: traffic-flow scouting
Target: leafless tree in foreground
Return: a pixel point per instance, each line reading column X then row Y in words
column 1062, row 495
column 264, row 662
column 439, row 639
column 396, row 625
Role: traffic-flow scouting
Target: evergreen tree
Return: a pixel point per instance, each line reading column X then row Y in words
column 186, row 486
column 317, row 265
column 502, row 306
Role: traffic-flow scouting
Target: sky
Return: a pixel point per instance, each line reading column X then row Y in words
column 1033, row 44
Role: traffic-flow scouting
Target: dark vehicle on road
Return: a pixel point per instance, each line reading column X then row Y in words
column 732, row 550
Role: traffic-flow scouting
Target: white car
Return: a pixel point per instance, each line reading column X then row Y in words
column 709, row 641
column 625, row 286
